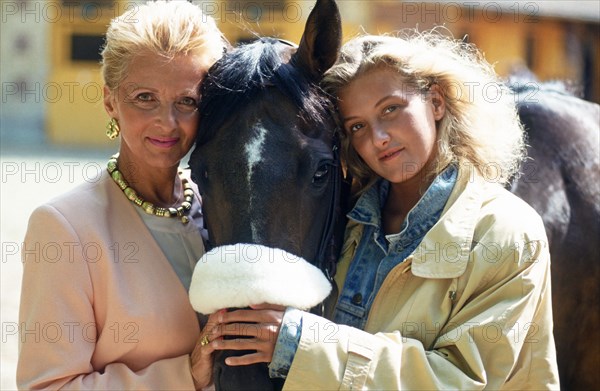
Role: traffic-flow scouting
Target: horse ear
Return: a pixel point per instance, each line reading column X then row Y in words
column 321, row 41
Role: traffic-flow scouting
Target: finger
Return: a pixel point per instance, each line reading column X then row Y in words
column 247, row 359
column 243, row 344
column 214, row 319
column 267, row 306
column 203, row 348
column 202, row 362
column 252, row 316
column 261, row 331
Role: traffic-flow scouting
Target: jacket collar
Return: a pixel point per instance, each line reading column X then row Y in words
column 368, row 207
column 445, row 250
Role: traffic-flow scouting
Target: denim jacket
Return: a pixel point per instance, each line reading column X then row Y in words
column 377, row 253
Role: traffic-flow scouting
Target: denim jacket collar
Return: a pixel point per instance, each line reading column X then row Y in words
column 444, row 251
column 368, row 207
column 428, row 209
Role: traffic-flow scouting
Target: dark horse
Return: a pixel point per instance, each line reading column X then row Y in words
column 561, row 181
column 266, row 126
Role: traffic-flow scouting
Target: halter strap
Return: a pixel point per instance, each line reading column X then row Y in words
column 335, row 224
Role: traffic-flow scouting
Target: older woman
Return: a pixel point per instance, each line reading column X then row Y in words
column 445, row 275
column 107, row 307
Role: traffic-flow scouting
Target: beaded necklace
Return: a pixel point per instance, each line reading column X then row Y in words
column 147, row 206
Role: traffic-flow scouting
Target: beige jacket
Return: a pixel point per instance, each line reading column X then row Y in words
column 101, row 306
column 469, row 309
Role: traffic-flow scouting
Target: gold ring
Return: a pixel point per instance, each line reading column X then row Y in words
column 204, row 341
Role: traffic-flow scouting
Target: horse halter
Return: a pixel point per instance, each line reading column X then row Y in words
column 323, row 257
column 335, row 224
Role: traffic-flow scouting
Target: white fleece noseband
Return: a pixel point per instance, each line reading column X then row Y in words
column 241, row 275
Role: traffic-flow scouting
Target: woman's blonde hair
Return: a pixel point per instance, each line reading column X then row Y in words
column 164, row 28
column 480, row 127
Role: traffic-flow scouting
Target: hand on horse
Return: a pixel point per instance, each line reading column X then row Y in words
column 202, row 356
column 257, row 328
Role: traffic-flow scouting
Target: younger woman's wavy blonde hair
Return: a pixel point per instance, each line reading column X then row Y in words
column 480, row 128
column 166, row 28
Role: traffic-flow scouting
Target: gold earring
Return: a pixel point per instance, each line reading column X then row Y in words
column 112, row 129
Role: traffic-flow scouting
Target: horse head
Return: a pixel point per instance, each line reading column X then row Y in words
column 265, row 159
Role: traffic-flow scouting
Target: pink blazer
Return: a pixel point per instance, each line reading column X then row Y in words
column 101, row 306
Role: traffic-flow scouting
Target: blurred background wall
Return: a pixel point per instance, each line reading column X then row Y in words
column 52, row 90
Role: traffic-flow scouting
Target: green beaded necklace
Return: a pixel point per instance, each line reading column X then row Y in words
column 148, row 207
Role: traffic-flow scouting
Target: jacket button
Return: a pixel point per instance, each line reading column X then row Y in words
column 357, row 299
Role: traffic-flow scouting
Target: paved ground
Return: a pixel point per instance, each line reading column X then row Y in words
column 29, row 177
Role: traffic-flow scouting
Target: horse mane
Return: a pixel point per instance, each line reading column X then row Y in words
column 242, row 74
column 522, row 80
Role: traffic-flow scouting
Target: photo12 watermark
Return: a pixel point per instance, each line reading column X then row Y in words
column 441, row 12
column 50, row 172
column 38, row 11
column 69, row 252
column 52, row 92
column 69, row 332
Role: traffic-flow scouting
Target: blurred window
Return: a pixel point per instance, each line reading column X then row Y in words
column 86, row 47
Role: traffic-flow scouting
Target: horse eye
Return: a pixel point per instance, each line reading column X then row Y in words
column 321, row 173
